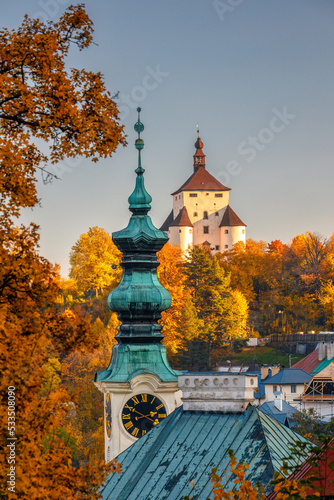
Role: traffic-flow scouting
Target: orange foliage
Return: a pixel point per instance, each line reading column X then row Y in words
column 172, row 277
column 75, row 115
column 244, row 490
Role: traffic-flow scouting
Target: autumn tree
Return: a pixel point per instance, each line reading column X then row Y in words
column 94, row 262
column 72, row 112
column 223, row 310
column 172, row 276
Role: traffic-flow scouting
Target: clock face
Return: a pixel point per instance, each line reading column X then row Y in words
column 108, row 415
column 141, row 413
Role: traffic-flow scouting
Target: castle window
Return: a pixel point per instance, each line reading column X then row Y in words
column 193, row 195
column 217, row 214
column 226, row 246
column 176, row 197
column 206, row 194
column 205, row 215
column 218, row 195
column 195, row 214
column 179, row 196
column 226, row 231
column 179, row 230
column 217, row 247
column 206, row 229
column 243, row 231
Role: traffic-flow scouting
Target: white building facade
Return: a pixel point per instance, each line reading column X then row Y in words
column 201, row 212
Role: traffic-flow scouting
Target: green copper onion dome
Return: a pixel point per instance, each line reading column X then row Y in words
column 140, row 298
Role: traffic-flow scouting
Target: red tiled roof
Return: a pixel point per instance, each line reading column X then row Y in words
column 201, row 180
column 322, row 470
column 230, row 218
column 310, row 362
column 182, row 219
column 167, row 222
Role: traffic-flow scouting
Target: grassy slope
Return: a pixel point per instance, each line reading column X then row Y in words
column 264, row 355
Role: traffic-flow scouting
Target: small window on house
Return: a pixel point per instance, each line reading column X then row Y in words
column 243, row 231
column 217, row 247
column 176, row 197
column 190, row 231
column 226, row 231
column 206, row 194
column 217, row 214
column 293, row 388
column 193, row 195
column 195, row 214
column 275, row 388
column 226, row 246
column 206, row 229
column 218, row 195
column 205, row 215
column 179, row 230
column 179, row 196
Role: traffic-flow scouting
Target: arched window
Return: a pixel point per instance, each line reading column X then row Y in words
column 205, row 215
column 195, row 214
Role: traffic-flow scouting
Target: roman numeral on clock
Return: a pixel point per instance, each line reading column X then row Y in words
column 135, row 400
column 128, row 425
column 126, row 417
column 160, row 406
column 135, row 432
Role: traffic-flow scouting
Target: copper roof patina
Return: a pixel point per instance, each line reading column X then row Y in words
column 186, row 445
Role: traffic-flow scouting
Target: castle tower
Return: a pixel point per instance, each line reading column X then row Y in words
column 201, row 212
column 140, row 388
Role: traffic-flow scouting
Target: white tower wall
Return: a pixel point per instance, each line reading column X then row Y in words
column 229, row 235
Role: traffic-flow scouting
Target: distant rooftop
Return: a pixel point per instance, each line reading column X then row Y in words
column 309, row 363
column 289, row 376
column 270, row 409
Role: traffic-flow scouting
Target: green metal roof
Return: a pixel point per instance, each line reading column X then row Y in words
column 324, row 363
column 185, row 447
column 130, row 360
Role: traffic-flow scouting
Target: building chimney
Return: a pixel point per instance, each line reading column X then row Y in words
column 330, row 350
column 274, row 370
column 321, row 351
column 278, row 401
column 264, row 371
column 217, row 391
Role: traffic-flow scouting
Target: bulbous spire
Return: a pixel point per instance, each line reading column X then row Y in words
column 140, row 298
column 199, row 156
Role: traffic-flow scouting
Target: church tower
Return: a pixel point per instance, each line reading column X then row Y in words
column 139, row 386
column 201, row 212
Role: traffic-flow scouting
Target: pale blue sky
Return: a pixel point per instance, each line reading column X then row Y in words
column 232, row 66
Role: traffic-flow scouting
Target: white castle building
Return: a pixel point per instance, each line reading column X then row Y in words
column 201, row 212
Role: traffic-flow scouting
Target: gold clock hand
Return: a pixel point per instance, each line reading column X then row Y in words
column 143, row 416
